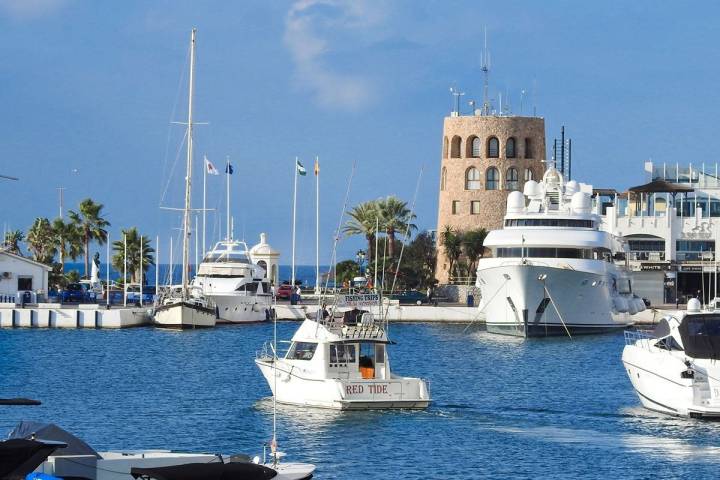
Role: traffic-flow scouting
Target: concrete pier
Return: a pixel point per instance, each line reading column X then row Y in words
column 397, row 313
column 54, row 315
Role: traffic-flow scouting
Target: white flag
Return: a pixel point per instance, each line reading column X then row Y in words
column 211, row 168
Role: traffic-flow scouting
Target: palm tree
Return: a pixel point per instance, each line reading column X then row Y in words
column 472, row 242
column 68, row 241
column 91, row 226
column 12, row 241
column 363, row 220
column 452, row 243
column 394, row 217
column 40, row 240
column 132, row 237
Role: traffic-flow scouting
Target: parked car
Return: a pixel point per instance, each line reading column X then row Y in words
column 409, row 297
column 284, row 291
column 77, row 293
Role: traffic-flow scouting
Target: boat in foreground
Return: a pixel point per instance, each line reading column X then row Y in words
column 340, row 362
column 674, row 369
column 551, row 270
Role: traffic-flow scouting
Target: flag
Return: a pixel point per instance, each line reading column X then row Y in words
column 210, row 168
column 300, row 169
column 317, row 167
column 229, row 169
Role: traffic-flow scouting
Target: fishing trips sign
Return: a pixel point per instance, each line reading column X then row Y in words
column 358, row 300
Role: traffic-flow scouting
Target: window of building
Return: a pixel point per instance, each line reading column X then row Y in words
column 695, row 249
column 455, row 207
column 445, row 147
column 24, row 283
column 455, row 147
column 493, row 147
column 301, row 351
column 472, row 179
column 476, row 147
column 511, row 179
column 443, row 178
column 492, row 179
column 528, row 174
column 528, row 148
column 475, row 207
column 510, row 148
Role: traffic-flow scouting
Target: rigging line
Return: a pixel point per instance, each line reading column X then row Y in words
column 172, row 171
column 333, row 256
column 556, row 309
column 477, row 316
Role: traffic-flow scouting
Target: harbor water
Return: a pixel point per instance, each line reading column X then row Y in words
column 503, row 407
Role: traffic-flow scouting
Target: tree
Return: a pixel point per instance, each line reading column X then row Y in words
column 394, row 217
column 41, row 241
column 345, row 271
column 472, row 243
column 452, row 243
column 132, row 238
column 363, row 220
column 91, row 225
column 418, row 265
column 12, row 241
column 67, row 241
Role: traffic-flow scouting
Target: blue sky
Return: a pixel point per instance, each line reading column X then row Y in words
column 88, row 91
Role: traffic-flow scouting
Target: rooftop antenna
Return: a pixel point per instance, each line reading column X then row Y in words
column 457, row 94
column 522, row 98
column 485, row 68
column 534, row 110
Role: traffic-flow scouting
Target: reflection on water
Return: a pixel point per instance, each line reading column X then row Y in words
column 503, row 407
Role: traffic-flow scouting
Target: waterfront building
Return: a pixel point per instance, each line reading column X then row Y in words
column 266, row 257
column 18, row 275
column 485, row 156
column 672, row 227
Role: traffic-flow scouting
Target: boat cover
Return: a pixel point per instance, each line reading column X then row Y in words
column 49, row 431
column 19, row 457
column 662, row 329
column 206, row 471
column 701, row 335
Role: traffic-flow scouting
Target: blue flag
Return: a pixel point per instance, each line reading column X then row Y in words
column 229, row 169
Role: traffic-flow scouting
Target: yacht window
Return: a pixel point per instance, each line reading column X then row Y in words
column 380, row 353
column 700, row 335
column 342, row 353
column 549, row 222
column 301, row 351
column 623, row 285
column 265, row 287
column 367, row 355
column 668, row 343
column 224, row 257
column 250, row 287
column 545, row 252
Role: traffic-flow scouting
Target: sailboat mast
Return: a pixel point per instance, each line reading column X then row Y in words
column 188, row 173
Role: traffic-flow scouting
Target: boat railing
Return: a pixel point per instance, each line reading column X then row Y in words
column 641, row 338
column 267, row 352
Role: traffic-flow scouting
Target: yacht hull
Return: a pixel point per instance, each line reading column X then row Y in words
column 517, row 302
column 242, row 308
column 184, row 314
column 294, row 388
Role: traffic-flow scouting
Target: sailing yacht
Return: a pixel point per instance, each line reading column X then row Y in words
column 186, row 307
column 551, row 271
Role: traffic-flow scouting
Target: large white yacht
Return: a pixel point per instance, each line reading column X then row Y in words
column 239, row 288
column 341, row 362
column 551, row 270
column 674, row 369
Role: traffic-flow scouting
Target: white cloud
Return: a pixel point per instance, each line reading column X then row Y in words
column 312, row 29
column 30, row 8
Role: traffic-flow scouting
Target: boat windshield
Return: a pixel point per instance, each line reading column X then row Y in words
column 228, row 252
column 301, row 351
column 700, row 335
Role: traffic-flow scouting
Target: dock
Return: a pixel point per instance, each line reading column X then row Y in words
column 55, row 315
column 396, row 313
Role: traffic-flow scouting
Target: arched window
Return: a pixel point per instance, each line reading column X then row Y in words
column 445, row 147
column 473, row 146
column 492, row 179
column 455, row 147
column 528, row 174
column 510, row 148
column 472, row 179
column 528, row 148
column 511, row 179
column 443, row 178
column 493, row 147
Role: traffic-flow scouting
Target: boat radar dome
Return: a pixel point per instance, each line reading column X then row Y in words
column 693, row 305
column 515, row 202
column 580, row 202
column 532, row 189
column 571, row 187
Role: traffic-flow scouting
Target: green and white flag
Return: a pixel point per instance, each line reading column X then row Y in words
column 300, row 169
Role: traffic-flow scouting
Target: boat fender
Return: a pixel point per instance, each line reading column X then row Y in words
column 632, row 307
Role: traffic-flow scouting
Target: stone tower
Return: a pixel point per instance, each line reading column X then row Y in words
column 484, row 158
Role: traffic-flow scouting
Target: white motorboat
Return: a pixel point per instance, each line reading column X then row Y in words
column 674, row 369
column 239, row 288
column 187, row 308
column 341, row 363
column 551, row 271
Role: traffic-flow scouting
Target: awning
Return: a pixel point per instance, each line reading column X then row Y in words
column 659, row 186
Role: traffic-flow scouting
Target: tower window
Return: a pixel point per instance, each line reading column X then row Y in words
column 510, row 148
column 492, row 179
column 493, row 147
column 528, row 148
column 476, row 147
column 455, row 207
column 475, row 207
column 511, row 179
column 528, row 174
column 472, row 179
column 443, row 178
column 445, row 147
column 455, row 147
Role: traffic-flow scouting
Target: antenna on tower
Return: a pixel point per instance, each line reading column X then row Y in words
column 457, row 94
column 485, row 68
column 522, row 97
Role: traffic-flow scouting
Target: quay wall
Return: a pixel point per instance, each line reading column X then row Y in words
column 83, row 316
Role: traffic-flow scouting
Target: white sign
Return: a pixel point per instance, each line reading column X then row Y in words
column 358, row 300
